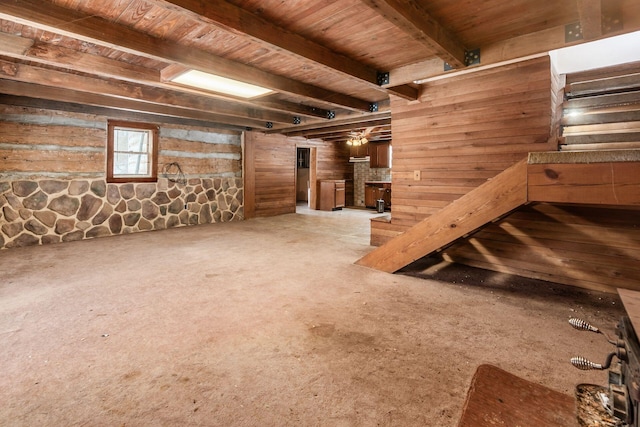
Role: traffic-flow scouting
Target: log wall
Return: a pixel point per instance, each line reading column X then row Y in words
column 270, row 171
column 53, row 186
column 468, row 129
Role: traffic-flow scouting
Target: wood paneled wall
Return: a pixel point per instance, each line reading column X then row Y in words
column 467, row 129
column 592, row 247
column 270, row 171
column 269, row 175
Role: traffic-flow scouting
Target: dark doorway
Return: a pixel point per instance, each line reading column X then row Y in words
column 302, row 175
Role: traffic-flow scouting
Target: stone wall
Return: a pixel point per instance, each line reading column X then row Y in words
column 47, row 211
column 53, row 187
column 363, row 173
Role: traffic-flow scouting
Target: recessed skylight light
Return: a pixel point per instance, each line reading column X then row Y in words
column 214, row 83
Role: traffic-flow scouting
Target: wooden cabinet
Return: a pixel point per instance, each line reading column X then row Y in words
column 359, row 151
column 370, row 195
column 379, row 153
column 331, row 194
column 374, row 191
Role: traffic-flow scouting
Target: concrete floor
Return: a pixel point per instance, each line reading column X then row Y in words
column 268, row 322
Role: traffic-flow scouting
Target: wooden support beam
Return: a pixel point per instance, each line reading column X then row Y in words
column 502, row 194
column 590, row 12
column 412, row 72
column 60, row 94
column 96, row 30
column 405, row 91
column 68, row 59
column 415, row 21
column 374, row 119
column 191, row 104
column 622, row 17
column 261, row 31
column 321, row 131
column 14, row 45
column 113, row 113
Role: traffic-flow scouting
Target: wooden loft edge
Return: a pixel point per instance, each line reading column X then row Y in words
column 608, row 180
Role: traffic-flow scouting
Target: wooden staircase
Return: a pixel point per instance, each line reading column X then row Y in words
column 491, row 200
column 598, row 163
column 610, row 178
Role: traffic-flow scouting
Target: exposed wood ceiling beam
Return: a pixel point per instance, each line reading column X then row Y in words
column 128, row 114
column 378, row 119
column 45, row 53
column 261, row 31
column 382, row 134
column 156, row 99
column 504, row 52
column 299, row 109
column 68, row 59
column 590, row 12
column 96, row 30
column 405, row 91
column 415, row 21
column 60, row 94
column 412, row 72
column 518, row 48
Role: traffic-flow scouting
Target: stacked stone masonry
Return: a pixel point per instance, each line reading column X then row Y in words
column 44, row 211
column 362, row 173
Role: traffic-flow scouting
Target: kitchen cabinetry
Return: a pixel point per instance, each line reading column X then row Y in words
column 375, row 190
column 370, row 195
column 332, row 194
column 359, row 151
column 379, row 155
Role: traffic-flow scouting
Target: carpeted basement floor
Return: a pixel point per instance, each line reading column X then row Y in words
column 268, row 322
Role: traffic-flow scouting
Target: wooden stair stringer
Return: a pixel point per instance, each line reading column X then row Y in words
column 495, row 198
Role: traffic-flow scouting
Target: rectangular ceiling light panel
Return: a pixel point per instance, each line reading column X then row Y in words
column 213, row 83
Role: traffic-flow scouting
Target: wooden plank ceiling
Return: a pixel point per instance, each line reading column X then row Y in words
column 325, row 60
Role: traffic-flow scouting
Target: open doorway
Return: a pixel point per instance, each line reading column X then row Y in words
column 303, row 176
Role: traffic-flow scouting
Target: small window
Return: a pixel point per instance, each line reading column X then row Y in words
column 132, row 152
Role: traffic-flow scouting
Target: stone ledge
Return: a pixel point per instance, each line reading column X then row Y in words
column 583, row 156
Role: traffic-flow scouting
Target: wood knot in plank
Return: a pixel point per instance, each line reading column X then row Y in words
column 8, row 69
column 551, row 174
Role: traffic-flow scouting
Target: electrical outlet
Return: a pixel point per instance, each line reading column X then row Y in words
column 416, row 175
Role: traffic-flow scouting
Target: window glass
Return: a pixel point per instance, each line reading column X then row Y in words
column 132, row 152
